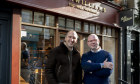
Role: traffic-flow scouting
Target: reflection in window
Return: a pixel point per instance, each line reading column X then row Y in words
column 98, row 29
column 86, row 48
column 70, row 24
column 50, row 20
column 113, row 32
column 109, row 31
column 27, row 16
column 109, row 45
column 62, row 37
column 77, row 25
column 61, row 22
column 92, row 28
column 104, row 30
column 39, row 42
column 86, row 27
column 38, row 18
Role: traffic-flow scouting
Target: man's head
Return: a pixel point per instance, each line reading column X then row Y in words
column 23, row 46
column 71, row 39
column 93, row 42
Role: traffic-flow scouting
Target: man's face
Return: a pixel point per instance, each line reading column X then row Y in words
column 71, row 39
column 93, row 42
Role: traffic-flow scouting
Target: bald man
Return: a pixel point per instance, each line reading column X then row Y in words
column 97, row 63
column 63, row 63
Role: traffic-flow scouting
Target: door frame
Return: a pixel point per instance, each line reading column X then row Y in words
column 6, row 31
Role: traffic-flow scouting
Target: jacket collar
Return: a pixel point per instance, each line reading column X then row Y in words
column 65, row 49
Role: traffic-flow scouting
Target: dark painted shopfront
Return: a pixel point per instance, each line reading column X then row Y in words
column 42, row 24
column 130, row 47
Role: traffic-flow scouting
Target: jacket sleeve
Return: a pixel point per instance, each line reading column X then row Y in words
column 86, row 66
column 50, row 68
column 105, row 72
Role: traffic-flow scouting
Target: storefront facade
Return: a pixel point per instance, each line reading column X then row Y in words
column 43, row 24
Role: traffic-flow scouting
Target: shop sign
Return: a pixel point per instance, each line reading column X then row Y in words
column 94, row 8
column 126, row 18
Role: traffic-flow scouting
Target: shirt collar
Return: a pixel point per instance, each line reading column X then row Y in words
column 96, row 51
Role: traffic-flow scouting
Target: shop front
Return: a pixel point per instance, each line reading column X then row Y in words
column 39, row 26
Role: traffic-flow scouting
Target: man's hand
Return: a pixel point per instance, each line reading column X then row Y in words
column 108, row 64
column 89, row 61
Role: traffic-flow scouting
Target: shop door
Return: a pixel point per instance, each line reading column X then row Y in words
column 135, row 59
column 4, row 49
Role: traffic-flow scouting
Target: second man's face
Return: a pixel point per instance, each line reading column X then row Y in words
column 93, row 42
column 71, row 39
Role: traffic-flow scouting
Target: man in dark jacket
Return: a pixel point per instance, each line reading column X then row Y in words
column 63, row 63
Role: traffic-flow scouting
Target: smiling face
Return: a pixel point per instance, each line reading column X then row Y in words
column 93, row 42
column 71, row 39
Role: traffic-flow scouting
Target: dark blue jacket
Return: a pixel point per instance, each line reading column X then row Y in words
column 93, row 73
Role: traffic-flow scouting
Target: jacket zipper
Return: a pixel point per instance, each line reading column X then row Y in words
column 70, row 67
column 58, row 70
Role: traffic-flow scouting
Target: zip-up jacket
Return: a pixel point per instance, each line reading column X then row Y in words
column 63, row 66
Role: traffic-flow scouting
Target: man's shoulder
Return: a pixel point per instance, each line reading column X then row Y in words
column 87, row 53
column 104, row 51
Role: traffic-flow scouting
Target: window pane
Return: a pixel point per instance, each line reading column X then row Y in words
column 109, row 31
column 50, row 20
column 113, row 32
column 39, row 42
column 27, row 16
column 70, row 24
column 86, row 26
column 98, row 29
column 92, row 28
column 38, row 18
column 86, row 48
column 61, row 22
column 77, row 25
column 104, row 30
column 109, row 45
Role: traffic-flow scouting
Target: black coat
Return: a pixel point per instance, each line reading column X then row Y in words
column 58, row 68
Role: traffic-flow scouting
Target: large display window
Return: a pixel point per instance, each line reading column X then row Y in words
column 35, row 45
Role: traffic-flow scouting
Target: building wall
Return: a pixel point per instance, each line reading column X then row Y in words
column 108, row 17
column 103, row 25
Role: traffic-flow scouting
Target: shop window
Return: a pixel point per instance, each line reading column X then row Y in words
column 113, row 32
column 92, row 28
column 36, row 44
column 77, row 25
column 98, row 29
column 86, row 27
column 109, row 45
column 104, row 30
column 70, row 24
column 50, row 20
column 61, row 22
column 109, row 31
column 38, row 18
column 27, row 16
column 86, row 48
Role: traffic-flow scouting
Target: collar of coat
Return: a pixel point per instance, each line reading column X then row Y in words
column 65, row 49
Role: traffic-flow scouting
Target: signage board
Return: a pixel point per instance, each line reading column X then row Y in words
column 126, row 18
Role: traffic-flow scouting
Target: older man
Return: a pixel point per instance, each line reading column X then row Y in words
column 63, row 63
column 97, row 63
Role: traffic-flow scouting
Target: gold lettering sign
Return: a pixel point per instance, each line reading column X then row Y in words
column 125, row 18
column 94, row 8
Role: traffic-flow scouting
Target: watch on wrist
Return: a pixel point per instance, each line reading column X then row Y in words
column 102, row 65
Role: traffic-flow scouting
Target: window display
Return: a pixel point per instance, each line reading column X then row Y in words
column 36, row 43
